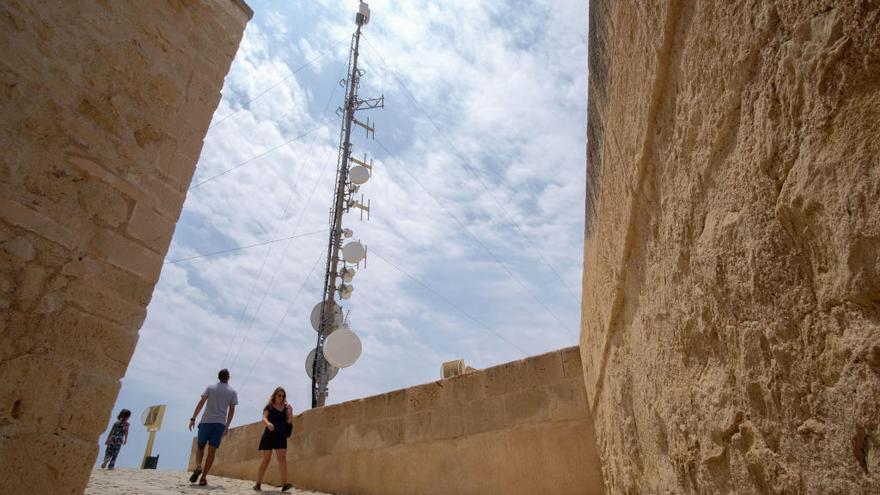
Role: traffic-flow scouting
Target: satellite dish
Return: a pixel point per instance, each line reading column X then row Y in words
column 353, row 252
column 310, row 366
column 345, row 291
column 348, row 274
column 316, row 316
column 347, row 233
column 342, row 348
column 358, row 174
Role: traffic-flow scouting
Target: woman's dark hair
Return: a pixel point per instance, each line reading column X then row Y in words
column 223, row 376
column 123, row 415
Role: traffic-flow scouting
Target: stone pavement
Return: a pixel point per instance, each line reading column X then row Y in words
column 156, row 482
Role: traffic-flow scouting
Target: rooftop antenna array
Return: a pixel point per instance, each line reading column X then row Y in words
column 338, row 347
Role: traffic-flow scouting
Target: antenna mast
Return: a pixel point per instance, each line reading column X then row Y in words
column 344, row 346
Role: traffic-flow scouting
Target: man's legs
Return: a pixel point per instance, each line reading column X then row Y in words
column 213, row 433
column 200, row 451
column 208, row 461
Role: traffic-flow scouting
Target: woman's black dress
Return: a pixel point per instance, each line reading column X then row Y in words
column 276, row 439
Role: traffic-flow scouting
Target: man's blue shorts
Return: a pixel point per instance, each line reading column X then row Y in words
column 210, row 433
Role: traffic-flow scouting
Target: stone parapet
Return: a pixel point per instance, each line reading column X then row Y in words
column 519, row 428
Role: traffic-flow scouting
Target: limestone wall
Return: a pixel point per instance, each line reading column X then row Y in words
column 103, row 107
column 731, row 316
column 518, row 428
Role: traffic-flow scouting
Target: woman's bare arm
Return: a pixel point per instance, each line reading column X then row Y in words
column 266, row 420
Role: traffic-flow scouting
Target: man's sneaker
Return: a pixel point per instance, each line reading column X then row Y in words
column 195, row 475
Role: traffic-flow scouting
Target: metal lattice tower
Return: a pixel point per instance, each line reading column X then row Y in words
column 343, row 201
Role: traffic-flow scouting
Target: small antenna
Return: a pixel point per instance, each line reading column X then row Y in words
column 370, row 129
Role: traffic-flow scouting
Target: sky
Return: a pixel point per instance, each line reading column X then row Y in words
column 475, row 236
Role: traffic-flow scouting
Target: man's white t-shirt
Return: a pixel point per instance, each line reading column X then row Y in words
column 220, row 397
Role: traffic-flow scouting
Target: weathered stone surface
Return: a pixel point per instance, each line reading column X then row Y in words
column 89, row 197
column 731, row 315
column 443, row 437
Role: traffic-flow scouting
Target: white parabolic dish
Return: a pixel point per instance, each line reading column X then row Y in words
column 310, row 366
column 342, row 348
column 316, row 316
column 358, row 175
column 353, row 252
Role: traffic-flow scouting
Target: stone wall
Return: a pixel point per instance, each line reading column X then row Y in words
column 519, row 428
column 104, row 106
column 731, row 316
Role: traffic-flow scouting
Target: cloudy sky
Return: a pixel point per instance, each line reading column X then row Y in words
column 477, row 197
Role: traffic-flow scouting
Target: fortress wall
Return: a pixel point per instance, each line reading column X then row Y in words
column 519, row 428
column 731, row 315
column 104, row 106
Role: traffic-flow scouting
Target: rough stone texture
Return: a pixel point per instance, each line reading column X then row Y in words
column 731, row 316
column 103, row 106
column 519, row 428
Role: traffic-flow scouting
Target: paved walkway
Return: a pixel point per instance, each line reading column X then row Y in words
column 156, row 482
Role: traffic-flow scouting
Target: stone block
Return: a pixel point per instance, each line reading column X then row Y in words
column 85, row 412
column 104, row 276
column 20, row 247
column 29, row 287
column 433, row 424
column 28, row 401
column 93, row 170
column 481, row 415
column 543, row 369
column 124, row 253
column 177, row 168
column 425, row 397
column 571, row 362
column 467, row 387
column 531, row 405
column 167, row 199
column 151, row 228
column 27, row 453
column 568, row 400
column 33, row 221
column 109, row 206
column 505, row 378
column 105, row 305
column 97, row 343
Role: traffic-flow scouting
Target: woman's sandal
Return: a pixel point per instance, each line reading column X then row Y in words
column 287, row 486
column 203, row 482
column 257, row 488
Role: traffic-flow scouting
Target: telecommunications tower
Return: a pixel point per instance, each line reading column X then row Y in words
column 338, row 347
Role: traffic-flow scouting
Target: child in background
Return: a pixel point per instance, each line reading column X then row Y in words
column 116, row 439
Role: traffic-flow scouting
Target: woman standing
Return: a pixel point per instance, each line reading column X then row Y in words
column 116, row 439
column 278, row 418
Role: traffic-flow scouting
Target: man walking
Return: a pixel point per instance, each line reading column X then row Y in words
column 219, row 400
